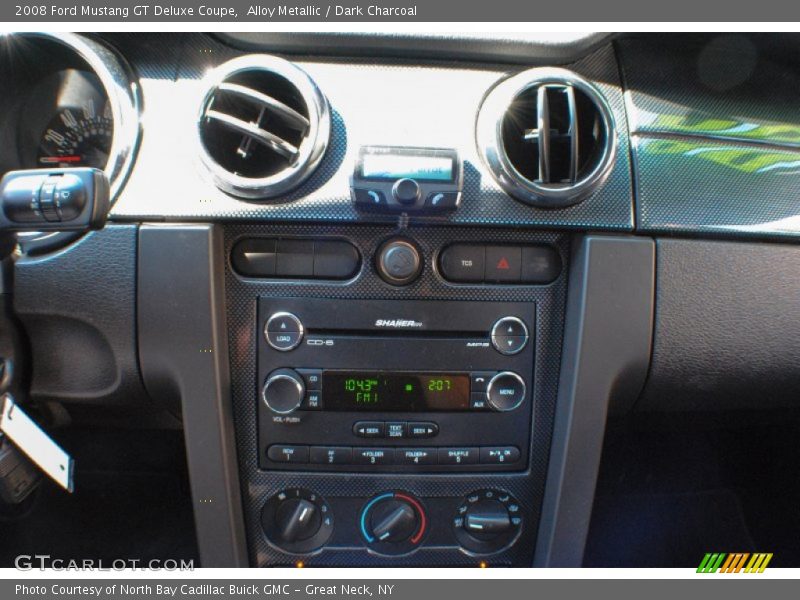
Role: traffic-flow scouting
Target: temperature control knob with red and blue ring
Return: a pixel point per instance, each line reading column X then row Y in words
column 393, row 523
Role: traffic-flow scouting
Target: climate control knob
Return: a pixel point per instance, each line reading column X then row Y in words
column 297, row 520
column 393, row 523
column 505, row 391
column 283, row 391
column 487, row 521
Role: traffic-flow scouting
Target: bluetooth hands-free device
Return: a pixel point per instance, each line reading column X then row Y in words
column 413, row 180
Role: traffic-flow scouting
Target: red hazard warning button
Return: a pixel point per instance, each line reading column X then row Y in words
column 503, row 263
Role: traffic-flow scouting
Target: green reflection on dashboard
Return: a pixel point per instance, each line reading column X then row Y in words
column 704, row 125
column 745, row 160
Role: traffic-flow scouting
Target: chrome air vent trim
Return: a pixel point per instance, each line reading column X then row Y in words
column 285, row 114
column 525, row 101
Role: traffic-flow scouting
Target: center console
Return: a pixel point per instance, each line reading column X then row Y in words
column 387, row 424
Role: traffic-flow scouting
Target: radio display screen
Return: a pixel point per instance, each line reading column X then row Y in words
column 388, row 167
column 395, row 392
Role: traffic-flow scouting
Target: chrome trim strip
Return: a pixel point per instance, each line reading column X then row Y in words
column 717, row 139
column 573, row 133
column 543, row 125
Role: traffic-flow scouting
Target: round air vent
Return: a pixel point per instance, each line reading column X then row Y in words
column 548, row 136
column 263, row 126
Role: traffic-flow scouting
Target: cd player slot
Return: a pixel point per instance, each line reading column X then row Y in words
column 400, row 333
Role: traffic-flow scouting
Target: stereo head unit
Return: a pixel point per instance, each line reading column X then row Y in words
column 394, row 386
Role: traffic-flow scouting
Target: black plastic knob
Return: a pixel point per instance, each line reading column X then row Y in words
column 393, row 521
column 69, row 197
column 297, row 520
column 406, row 191
column 399, row 262
column 487, row 519
column 283, row 391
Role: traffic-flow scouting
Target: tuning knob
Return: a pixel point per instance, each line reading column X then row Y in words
column 393, row 523
column 283, row 391
column 487, row 521
column 297, row 520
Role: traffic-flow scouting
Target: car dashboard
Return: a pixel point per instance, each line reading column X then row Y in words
column 397, row 293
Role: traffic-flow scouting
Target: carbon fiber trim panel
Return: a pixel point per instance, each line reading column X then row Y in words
column 727, row 86
column 715, row 135
column 258, row 485
column 387, row 103
column 698, row 185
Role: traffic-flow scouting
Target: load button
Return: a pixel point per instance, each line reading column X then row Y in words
column 283, row 331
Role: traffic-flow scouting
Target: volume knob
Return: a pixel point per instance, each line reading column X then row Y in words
column 283, row 391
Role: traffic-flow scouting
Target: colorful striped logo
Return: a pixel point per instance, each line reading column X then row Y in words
column 720, row 562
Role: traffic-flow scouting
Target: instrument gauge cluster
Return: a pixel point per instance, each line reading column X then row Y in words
column 76, row 104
